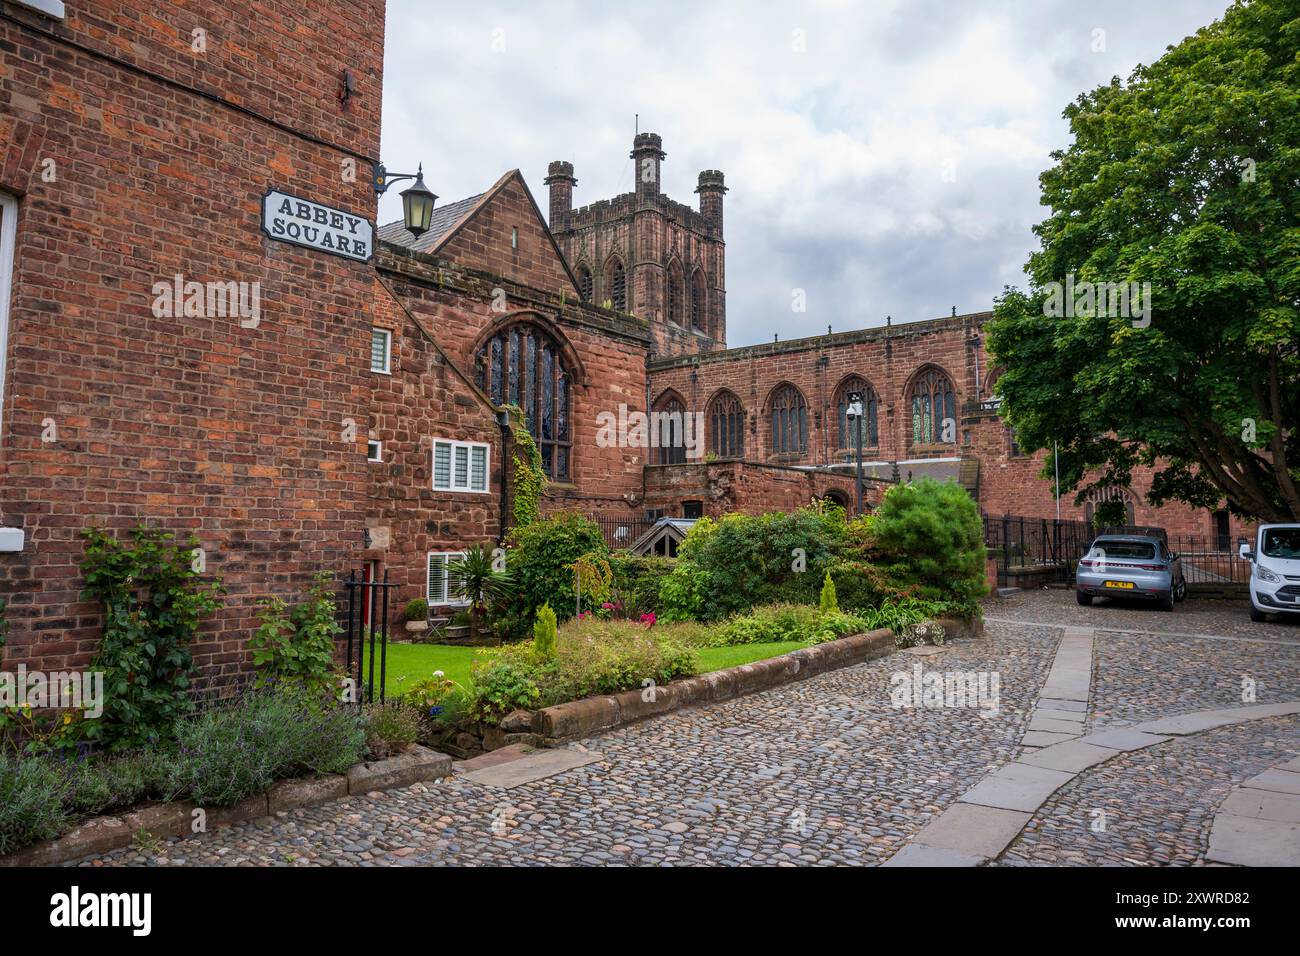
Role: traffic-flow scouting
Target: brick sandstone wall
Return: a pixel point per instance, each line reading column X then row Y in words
column 887, row 358
column 606, row 355
column 726, row 486
column 426, row 397
column 193, row 424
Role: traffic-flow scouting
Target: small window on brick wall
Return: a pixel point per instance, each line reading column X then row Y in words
column 442, row 583
column 460, row 466
column 381, row 347
column 374, row 451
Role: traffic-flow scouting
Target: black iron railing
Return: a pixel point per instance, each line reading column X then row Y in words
column 367, row 623
column 620, row 532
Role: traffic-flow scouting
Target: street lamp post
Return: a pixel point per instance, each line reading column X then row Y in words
column 854, row 413
column 417, row 199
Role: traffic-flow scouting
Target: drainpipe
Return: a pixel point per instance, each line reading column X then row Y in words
column 503, row 421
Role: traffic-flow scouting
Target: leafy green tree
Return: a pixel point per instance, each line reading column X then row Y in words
column 540, row 556
column 1186, row 177
column 931, row 535
column 475, row 578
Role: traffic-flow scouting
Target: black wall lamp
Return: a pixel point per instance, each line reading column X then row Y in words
column 417, row 199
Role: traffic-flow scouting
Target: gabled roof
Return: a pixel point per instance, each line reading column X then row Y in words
column 450, row 219
column 672, row 529
column 444, row 220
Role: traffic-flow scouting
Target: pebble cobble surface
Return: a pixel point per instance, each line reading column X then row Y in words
column 819, row 772
column 1225, row 618
column 1156, row 804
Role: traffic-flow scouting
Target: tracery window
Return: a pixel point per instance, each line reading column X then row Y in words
column 522, row 365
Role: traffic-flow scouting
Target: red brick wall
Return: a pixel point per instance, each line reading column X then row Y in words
column 426, row 397
column 485, row 243
column 727, row 486
column 193, row 424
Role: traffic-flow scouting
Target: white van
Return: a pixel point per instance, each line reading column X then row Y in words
column 1275, row 570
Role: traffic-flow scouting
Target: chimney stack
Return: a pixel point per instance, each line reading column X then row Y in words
column 647, row 150
column 559, row 176
column 711, row 190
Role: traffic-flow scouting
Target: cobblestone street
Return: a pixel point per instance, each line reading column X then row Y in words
column 826, row 772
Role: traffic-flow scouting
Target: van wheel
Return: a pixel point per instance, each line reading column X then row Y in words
column 1084, row 599
column 1257, row 615
column 1181, row 593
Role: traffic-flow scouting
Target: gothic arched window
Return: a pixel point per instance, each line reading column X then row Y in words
column 584, row 283
column 667, row 425
column 726, row 426
column 673, row 296
column 698, row 312
column 522, row 365
column 789, row 416
column 868, row 425
column 933, row 408
column 616, row 284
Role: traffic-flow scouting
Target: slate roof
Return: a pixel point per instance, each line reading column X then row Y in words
column 444, row 219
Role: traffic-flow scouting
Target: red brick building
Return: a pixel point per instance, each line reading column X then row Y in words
column 201, row 330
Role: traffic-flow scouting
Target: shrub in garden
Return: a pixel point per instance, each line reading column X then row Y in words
column 544, row 631
column 636, row 582
column 476, row 578
column 541, row 558
column 828, row 601
column 604, row 657
column 297, row 646
column 391, row 727
column 728, row 566
column 232, row 752
column 31, row 801
column 417, row 610
column 931, row 534
column 153, row 601
column 504, row 682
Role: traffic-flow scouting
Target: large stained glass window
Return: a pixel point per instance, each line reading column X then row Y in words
column 522, row 365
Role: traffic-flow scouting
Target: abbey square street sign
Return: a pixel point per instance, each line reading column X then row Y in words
column 314, row 225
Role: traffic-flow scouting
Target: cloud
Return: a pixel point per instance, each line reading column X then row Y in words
column 891, row 167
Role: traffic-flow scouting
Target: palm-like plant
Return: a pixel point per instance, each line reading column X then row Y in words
column 475, row 578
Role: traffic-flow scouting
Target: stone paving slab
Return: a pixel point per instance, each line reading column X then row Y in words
column 493, row 757
column 1210, row 719
column 1043, row 738
column 975, row 830
column 1070, row 755
column 1069, row 706
column 1293, row 765
column 1246, row 841
column 915, row 854
column 1054, row 726
column 1262, row 805
column 1123, row 739
column 1052, row 713
column 1016, row 786
column 530, row 768
column 1278, row 781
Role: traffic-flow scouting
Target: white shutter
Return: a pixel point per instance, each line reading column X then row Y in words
column 453, row 581
column 441, row 465
column 478, row 468
column 460, row 479
column 437, row 578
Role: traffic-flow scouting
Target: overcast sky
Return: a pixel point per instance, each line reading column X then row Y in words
column 888, row 167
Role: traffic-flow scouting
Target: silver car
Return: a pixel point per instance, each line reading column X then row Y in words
column 1132, row 567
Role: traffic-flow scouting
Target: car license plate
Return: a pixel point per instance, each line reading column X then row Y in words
column 1126, row 585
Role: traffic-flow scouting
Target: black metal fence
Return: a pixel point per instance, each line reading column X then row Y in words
column 367, row 625
column 620, row 532
column 1051, row 549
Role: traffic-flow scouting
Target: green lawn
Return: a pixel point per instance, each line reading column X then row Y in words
column 408, row 663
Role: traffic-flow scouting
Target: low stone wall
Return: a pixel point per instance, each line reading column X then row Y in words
column 103, row 834
column 554, row 726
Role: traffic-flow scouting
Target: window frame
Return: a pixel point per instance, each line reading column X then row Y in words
column 468, row 488
column 8, row 244
column 379, row 450
column 447, row 558
column 388, row 350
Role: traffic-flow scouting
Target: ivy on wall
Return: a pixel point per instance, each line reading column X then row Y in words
column 529, row 479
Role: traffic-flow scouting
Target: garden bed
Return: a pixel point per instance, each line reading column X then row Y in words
column 177, row 819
